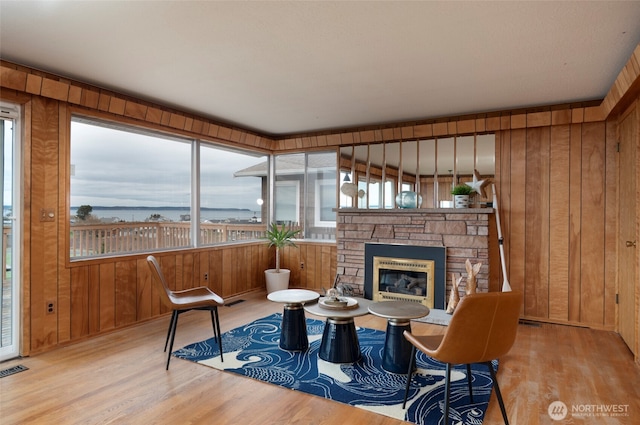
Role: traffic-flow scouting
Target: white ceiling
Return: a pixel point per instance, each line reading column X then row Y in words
column 288, row 67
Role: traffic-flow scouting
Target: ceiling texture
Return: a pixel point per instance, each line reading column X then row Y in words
column 290, row 67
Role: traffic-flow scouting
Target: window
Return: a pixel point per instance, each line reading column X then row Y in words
column 130, row 190
column 231, row 184
column 287, row 208
column 134, row 190
column 312, row 196
column 321, row 192
column 325, row 199
column 430, row 166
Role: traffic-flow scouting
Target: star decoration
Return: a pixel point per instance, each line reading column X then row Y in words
column 478, row 185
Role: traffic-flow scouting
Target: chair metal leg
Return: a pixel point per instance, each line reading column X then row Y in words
column 173, row 336
column 469, row 383
column 213, row 323
column 498, row 394
column 216, row 330
column 173, row 317
column 447, row 388
column 412, row 363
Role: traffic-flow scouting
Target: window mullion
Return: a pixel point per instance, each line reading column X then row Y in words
column 195, row 193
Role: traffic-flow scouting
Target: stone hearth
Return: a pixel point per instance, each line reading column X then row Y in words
column 467, row 234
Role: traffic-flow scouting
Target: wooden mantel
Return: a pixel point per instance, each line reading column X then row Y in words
column 466, row 233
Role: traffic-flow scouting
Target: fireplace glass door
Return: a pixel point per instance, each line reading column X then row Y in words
column 403, row 279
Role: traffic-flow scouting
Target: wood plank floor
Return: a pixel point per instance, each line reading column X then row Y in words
column 120, row 378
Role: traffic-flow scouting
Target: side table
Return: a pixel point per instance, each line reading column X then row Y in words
column 293, row 332
column 339, row 339
column 397, row 350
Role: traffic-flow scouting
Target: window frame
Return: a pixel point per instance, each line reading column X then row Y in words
column 75, row 114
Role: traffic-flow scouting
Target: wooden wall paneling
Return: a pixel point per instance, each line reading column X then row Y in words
column 44, row 196
column 228, row 272
column 215, row 271
column 254, row 268
column 306, row 270
column 290, row 259
column 197, row 279
column 47, row 278
column 126, row 292
column 517, row 219
column 79, row 302
column 188, row 265
column 575, row 221
column 593, row 235
column 64, row 275
column 315, row 270
column 537, row 223
column 94, row 298
column 318, row 278
column 27, row 160
column 203, row 267
column 610, row 223
column 312, row 266
column 144, row 294
column 329, row 258
column 244, row 277
column 107, row 291
column 495, row 271
column 248, row 267
column 178, row 276
column 559, row 223
column 503, row 192
column 242, row 282
column 239, row 284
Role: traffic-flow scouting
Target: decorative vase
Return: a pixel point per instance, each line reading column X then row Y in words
column 461, row 201
column 408, row 199
column 277, row 281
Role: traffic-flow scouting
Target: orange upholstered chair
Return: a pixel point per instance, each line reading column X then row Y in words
column 483, row 328
column 201, row 298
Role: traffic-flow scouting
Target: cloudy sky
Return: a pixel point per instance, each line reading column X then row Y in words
column 111, row 167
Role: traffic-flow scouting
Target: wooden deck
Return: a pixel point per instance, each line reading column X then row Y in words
column 120, row 378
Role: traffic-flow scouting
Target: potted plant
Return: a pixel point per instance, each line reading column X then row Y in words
column 279, row 236
column 461, row 194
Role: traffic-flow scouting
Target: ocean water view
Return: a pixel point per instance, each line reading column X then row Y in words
column 214, row 215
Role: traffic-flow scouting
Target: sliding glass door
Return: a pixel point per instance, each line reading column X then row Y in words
column 9, row 289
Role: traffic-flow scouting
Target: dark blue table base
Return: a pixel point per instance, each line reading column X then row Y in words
column 397, row 350
column 340, row 341
column 293, row 336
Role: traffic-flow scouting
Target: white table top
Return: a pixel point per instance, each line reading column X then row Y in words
column 399, row 310
column 361, row 310
column 293, row 296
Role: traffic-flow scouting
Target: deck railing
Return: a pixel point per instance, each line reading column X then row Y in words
column 116, row 238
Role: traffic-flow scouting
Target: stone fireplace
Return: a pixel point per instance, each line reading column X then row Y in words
column 465, row 233
column 405, row 272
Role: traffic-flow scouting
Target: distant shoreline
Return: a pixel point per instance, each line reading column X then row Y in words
column 100, row 207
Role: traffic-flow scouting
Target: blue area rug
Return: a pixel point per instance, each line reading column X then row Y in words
column 252, row 350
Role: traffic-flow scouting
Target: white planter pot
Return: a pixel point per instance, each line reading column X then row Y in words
column 461, row 201
column 277, row 281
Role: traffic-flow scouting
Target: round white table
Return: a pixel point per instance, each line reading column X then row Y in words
column 396, row 355
column 293, row 332
column 339, row 339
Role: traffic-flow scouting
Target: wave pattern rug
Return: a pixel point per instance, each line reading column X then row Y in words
column 252, row 350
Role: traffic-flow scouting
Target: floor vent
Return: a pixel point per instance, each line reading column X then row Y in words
column 530, row 323
column 12, row 370
column 233, row 303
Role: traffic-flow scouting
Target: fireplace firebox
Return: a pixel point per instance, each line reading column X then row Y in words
column 405, row 272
